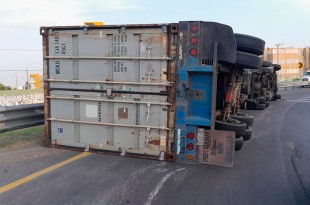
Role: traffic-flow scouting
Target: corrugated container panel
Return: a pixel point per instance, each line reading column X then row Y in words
column 106, row 103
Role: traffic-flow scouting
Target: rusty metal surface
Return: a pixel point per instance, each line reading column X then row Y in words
column 171, row 73
column 47, row 124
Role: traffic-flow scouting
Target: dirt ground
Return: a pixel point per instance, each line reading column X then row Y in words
column 20, row 138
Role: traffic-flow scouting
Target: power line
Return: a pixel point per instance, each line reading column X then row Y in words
column 13, row 49
column 20, row 27
column 18, row 70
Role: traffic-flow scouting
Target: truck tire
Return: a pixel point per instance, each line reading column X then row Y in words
column 248, row 61
column 267, row 104
column 261, row 107
column 250, row 44
column 276, row 67
column 277, row 96
column 231, row 125
column 248, row 134
column 265, row 70
column 238, row 143
column 266, row 64
column 243, row 117
column 249, row 104
column 261, row 100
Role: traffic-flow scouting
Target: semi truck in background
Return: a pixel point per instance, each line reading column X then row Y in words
column 162, row 91
column 306, row 79
column 260, row 86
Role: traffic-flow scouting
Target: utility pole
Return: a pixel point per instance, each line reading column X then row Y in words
column 16, row 81
column 278, row 44
column 27, row 83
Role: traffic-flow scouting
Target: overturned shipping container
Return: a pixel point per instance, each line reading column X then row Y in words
column 139, row 90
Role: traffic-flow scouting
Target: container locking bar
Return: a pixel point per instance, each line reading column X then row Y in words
column 103, row 100
column 107, row 82
column 107, row 58
column 108, row 124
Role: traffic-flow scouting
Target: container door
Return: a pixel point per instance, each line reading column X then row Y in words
column 108, row 88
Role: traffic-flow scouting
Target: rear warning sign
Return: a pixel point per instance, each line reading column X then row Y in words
column 216, row 151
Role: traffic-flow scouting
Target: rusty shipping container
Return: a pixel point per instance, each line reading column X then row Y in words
column 121, row 88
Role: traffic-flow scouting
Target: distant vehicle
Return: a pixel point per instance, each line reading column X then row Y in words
column 306, row 79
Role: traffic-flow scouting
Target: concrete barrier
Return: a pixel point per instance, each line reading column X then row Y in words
column 33, row 98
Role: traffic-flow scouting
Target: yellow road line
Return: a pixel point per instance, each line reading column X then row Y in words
column 39, row 173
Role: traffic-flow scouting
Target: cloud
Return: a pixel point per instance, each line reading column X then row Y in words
column 302, row 5
column 57, row 12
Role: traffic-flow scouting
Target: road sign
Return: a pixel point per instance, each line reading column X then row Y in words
column 300, row 65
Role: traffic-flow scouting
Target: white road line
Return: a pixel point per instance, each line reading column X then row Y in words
column 304, row 101
column 294, row 92
column 160, row 185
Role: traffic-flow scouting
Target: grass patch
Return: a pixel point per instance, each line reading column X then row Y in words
column 30, row 134
column 19, row 92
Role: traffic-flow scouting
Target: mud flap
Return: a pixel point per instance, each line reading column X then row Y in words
column 217, row 151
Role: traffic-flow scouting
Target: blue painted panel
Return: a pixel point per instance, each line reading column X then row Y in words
column 193, row 100
column 199, row 95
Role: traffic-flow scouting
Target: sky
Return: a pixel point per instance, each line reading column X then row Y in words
column 275, row 21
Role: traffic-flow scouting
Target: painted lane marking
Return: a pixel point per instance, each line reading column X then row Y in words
column 304, row 101
column 294, row 92
column 39, row 173
column 160, row 185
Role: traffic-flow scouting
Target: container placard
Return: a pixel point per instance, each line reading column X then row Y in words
column 218, row 150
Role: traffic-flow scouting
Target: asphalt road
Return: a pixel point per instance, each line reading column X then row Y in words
column 272, row 168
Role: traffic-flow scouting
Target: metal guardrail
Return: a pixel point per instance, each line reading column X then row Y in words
column 21, row 116
column 293, row 85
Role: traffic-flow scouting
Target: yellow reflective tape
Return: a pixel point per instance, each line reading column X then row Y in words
column 39, row 173
column 93, row 23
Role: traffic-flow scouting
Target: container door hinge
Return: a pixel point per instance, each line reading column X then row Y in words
column 149, row 48
column 123, row 151
column 164, row 28
column 149, row 73
column 86, row 148
column 148, row 113
column 123, row 30
column 172, row 58
column 161, row 156
column 85, row 29
column 109, row 92
column 148, row 131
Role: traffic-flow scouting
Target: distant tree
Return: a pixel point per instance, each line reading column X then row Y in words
column 3, row 87
column 8, row 87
